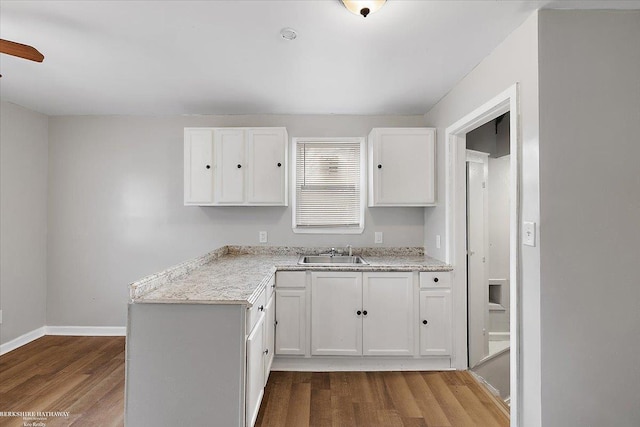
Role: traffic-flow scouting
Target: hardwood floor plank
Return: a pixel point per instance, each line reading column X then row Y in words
column 448, row 402
column 320, row 415
column 273, row 411
column 299, row 405
column 432, row 413
column 401, row 395
column 474, row 407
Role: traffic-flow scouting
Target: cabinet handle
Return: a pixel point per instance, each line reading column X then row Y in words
column 424, row 322
column 208, row 166
column 364, row 312
column 279, row 164
column 435, row 279
column 379, row 166
column 239, row 166
column 261, row 308
column 358, row 312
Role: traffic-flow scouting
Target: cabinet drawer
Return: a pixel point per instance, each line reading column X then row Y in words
column 435, row 279
column 256, row 311
column 291, row 279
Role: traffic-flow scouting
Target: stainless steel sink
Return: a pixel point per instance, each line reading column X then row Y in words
column 331, row 260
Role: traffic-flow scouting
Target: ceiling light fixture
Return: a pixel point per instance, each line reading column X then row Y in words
column 288, row 34
column 363, row 7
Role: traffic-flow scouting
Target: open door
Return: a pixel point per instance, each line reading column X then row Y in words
column 477, row 256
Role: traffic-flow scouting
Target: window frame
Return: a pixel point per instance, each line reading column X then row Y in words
column 363, row 185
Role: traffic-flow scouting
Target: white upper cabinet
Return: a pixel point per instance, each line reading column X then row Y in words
column 402, row 167
column 198, row 166
column 246, row 166
column 229, row 155
column 267, row 178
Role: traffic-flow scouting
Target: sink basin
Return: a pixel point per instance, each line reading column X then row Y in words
column 331, row 260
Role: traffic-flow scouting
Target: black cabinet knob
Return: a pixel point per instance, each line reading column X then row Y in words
column 364, row 312
column 266, row 351
column 261, row 308
column 279, row 164
column 239, row 166
column 358, row 312
column 208, row 166
column 379, row 166
column 435, row 279
column 424, row 322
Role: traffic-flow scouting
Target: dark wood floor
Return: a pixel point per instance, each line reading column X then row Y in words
column 367, row 399
column 80, row 375
column 85, row 377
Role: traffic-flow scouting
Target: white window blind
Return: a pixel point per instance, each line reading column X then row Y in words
column 328, row 185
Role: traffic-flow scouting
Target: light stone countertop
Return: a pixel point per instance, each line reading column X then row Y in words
column 237, row 275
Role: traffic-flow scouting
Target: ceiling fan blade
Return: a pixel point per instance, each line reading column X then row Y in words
column 20, row 50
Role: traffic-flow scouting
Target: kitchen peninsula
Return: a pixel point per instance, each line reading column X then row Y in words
column 202, row 335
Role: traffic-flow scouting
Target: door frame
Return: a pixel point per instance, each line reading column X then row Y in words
column 455, row 221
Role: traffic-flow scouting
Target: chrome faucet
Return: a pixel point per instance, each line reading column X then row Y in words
column 350, row 248
column 333, row 252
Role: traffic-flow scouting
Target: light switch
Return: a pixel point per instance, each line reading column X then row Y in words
column 263, row 237
column 529, row 233
column 378, row 237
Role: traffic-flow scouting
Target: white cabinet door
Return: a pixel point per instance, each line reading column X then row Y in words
column 336, row 326
column 198, row 166
column 267, row 173
column 435, row 322
column 230, row 165
column 255, row 371
column 291, row 322
column 269, row 336
column 388, row 325
column 402, row 167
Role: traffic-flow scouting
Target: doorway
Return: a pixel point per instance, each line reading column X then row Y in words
column 467, row 346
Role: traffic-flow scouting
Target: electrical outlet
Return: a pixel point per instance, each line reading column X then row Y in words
column 529, row 233
column 378, row 237
column 437, row 241
column 263, row 237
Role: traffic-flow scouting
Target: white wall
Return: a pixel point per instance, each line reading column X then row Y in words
column 590, row 217
column 513, row 61
column 117, row 214
column 23, row 220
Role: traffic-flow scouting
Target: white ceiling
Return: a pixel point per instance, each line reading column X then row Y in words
column 227, row 57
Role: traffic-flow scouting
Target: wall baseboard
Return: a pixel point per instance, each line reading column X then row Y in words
column 22, row 340
column 81, row 331
column 87, row 331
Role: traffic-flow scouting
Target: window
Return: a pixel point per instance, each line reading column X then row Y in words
column 329, row 185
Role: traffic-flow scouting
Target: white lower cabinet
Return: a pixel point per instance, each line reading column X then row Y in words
column 255, row 371
column 291, row 314
column 269, row 336
column 389, row 324
column 336, row 314
column 435, row 322
column 260, row 343
column 355, row 314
